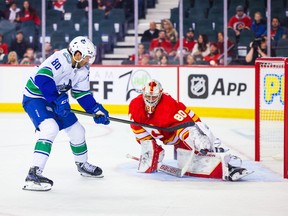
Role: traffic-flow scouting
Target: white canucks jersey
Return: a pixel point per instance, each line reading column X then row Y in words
column 59, row 67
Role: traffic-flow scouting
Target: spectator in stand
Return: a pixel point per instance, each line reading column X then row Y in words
column 83, row 4
column 12, row 58
column 171, row 33
column 3, row 45
column 162, row 42
column 8, row 3
column 164, row 61
column 30, row 57
column 220, row 44
column 239, row 21
column 188, row 44
column 19, row 45
column 48, row 51
column 12, row 13
column 145, row 60
column 3, row 56
column 258, row 25
column 277, row 31
column 150, row 33
column 157, row 55
column 59, row 5
column 105, row 5
column 141, row 53
column 258, row 49
column 190, row 60
column 213, row 56
column 201, row 48
column 28, row 13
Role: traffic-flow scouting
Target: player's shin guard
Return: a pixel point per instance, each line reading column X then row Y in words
column 76, row 133
column 151, row 155
column 48, row 130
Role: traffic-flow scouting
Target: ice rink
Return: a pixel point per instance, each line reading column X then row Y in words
column 125, row 192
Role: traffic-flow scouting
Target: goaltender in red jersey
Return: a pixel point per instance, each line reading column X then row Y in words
column 198, row 150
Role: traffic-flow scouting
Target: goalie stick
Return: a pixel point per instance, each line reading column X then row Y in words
column 170, row 170
column 169, row 129
column 188, row 162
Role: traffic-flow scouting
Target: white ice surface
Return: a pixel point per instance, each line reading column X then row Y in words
column 125, row 192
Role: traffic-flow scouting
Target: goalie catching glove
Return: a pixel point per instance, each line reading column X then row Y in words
column 202, row 140
column 151, row 155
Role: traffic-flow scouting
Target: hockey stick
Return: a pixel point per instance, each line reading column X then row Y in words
column 170, row 170
column 169, row 129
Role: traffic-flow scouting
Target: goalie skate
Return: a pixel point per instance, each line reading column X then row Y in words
column 36, row 182
column 88, row 170
column 237, row 173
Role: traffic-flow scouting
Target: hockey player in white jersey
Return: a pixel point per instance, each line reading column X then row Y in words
column 46, row 102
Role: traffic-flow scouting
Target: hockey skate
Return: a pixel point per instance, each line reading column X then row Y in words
column 237, row 173
column 88, row 170
column 36, row 182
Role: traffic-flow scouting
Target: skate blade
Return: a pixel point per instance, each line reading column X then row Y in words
column 91, row 176
column 32, row 186
column 239, row 176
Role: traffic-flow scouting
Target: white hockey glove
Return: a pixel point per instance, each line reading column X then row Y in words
column 151, row 155
column 201, row 138
column 198, row 141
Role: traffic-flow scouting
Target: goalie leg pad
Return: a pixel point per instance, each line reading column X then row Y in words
column 206, row 166
column 151, row 155
column 182, row 157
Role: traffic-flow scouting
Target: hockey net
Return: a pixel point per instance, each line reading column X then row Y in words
column 271, row 126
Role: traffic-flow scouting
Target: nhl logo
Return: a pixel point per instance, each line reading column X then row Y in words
column 198, row 86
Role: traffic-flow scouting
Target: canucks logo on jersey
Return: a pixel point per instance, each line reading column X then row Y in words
column 64, row 87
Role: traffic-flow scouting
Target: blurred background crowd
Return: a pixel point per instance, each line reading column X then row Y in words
column 21, row 38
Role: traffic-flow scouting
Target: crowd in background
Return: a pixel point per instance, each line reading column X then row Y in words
column 159, row 43
column 198, row 49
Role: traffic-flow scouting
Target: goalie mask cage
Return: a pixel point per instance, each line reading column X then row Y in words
column 271, row 110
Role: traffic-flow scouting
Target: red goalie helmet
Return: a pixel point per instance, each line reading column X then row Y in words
column 152, row 92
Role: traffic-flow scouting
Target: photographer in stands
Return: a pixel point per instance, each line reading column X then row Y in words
column 258, row 49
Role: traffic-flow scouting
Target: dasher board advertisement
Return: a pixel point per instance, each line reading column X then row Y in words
column 217, row 87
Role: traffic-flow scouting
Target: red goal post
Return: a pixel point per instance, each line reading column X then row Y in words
column 271, row 110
